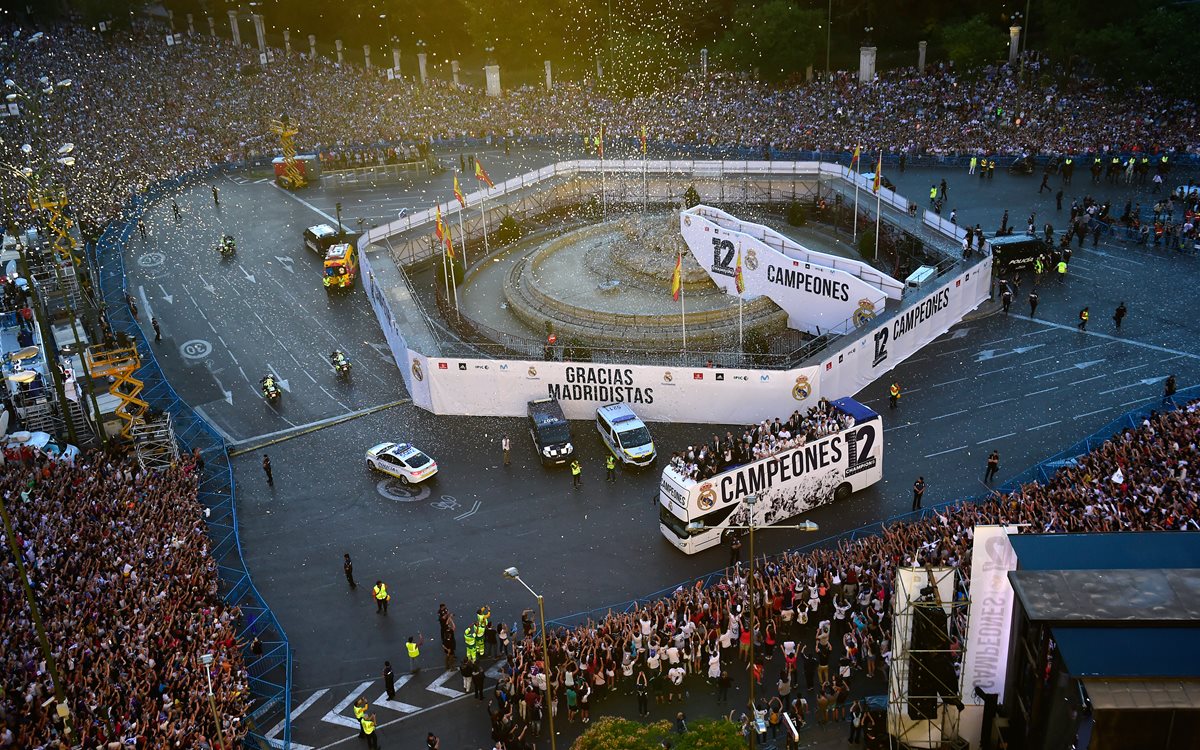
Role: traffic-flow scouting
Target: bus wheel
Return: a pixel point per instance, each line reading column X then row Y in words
column 843, row 491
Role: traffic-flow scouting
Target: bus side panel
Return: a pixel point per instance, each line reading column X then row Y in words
column 867, row 469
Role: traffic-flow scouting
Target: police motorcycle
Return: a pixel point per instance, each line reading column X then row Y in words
column 227, row 246
column 270, row 389
column 340, row 362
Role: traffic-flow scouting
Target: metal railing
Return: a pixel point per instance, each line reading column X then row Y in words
column 1043, row 471
column 270, row 672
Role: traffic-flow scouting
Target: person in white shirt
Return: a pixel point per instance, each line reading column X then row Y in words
column 675, row 674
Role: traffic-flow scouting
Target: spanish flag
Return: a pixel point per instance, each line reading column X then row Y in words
column 643, row 137
column 458, row 192
column 481, row 175
column 598, row 141
column 439, row 230
column 450, row 245
column 854, row 161
column 738, row 280
column 677, row 277
column 878, row 174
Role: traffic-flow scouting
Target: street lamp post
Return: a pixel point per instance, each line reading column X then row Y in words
column 515, row 575
column 696, row 527
column 207, row 660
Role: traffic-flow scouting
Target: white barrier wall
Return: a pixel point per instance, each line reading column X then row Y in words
column 881, row 348
column 387, row 321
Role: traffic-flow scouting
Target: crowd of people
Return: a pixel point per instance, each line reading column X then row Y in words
column 138, row 110
column 821, row 621
column 759, row 441
column 118, row 561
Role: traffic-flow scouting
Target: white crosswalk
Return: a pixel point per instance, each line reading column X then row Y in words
column 335, row 714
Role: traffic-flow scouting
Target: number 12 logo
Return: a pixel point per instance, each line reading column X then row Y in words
column 723, row 251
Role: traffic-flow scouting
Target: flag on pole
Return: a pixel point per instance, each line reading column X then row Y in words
column 739, row 280
column 643, row 137
column 458, row 192
column 878, row 173
column 439, row 229
column 481, row 175
column 677, row 278
column 854, row 161
column 598, row 141
column 450, row 245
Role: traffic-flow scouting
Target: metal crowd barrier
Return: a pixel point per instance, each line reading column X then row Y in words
column 1043, row 471
column 269, row 673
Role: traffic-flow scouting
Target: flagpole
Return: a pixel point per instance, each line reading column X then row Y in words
column 445, row 272
column 878, row 211
column 741, row 347
column 645, row 184
column 682, row 306
column 462, row 234
column 854, row 167
column 483, row 210
column 603, row 198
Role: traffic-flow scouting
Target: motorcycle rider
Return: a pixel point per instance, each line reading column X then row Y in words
column 268, row 385
column 340, row 361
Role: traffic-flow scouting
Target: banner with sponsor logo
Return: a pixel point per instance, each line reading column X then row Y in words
column 820, row 293
column 387, row 321
column 418, row 366
column 985, row 662
column 884, row 346
column 486, row 387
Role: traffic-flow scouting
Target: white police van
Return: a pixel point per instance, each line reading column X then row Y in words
column 625, row 434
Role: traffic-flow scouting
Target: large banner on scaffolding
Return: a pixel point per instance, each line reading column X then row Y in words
column 985, row 663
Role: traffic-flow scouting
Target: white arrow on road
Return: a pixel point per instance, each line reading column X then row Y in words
column 286, row 262
column 207, row 286
column 987, row 354
column 395, row 705
column 439, row 685
column 960, row 333
column 1143, row 381
column 1076, row 366
column 335, row 714
column 168, row 297
column 275, row 730
column 228, row 393
column 249, row 276
column 282, row 381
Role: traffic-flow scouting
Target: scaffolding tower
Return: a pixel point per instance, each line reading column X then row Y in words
column 58, row 225
column 292, row 178
column 924, row 694
column 151, row 432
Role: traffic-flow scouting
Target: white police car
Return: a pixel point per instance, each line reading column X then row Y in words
column 625, row 434
column 401, row 460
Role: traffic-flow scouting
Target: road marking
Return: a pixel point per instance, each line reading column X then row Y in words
column 1076, row 366
column 335, row 398
column 951, row 414
column 207, row 286
column 995, row 403
column 286, row 262
column 474, row 509
column 997, row 341
column 271, row 438
column 960, row 333
column 293, row 745
column 195, row 349
column 998, row 437
column 954, row 351
column 901, row 426
column 1103, row 254
column 1048, row 424
column 1143, row 381
column 1131, row 342
column 283, row 383
column 335, row 714
column 987, row 354
column 1136, row 367
column 395, row 705
column 168, row 297
column 1090, row 413
column 145, row 303
column 1094, row 377
column 1136, row 401
column 1033, row 333
column 948, row 382
column 438, row 685
column 1044, row 390
column 228, row 393
column 942, row 453
column 275, row 730
column 249, row 276
column 213, row 423
column 305, row 203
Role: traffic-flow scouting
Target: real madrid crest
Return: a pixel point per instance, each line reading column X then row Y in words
column 667, row 376
column 416, row 370
column 532, row 372
column 708, row 496
column 801, row 390
column 751, row 259
column 865, row 313
column 687, row 221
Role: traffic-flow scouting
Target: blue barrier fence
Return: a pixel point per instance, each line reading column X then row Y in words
column 1041, row 472
column 269, row 672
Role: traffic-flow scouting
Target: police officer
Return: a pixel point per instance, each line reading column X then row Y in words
column 993, row 467
column 933, row 190
column 1006, row 299
column 918, row 492
column 893, row 395
column 1119, row 314
column 1038, row 269
column 382, row 597
column 576, row 474
column 1083, row 319
column 1033, row 303
column 389, row 682
column 610, row 468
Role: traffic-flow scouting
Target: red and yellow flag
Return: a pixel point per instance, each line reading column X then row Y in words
column 854, row 161
column 598, row 141
column 450, row 245
column 677, row 277
column 878, row 174
column 643, row 137
column 739, row 280
column 439, row 230
column 481, row 175
column 458, row 192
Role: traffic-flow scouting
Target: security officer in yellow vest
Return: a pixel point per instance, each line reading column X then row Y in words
column 610, row 468
column 382, row 597
column 414, row 651
column 932, row 194
column 483, row 616
column 360, row 711
column 576, row 474
column 470, row 639
column 1068, row 170
column 369, row 729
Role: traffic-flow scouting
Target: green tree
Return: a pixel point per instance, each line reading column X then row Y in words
column 612, row 733
column 691, row 197
column 976, row 41
column 776, row 36
column 715, row 734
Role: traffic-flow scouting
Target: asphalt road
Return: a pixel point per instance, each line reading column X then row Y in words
column 1025, row 387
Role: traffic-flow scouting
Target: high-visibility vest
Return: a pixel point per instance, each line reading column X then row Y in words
column 359, row 712
column 381, row 591
column 1037, row 267
column 1096, row 160
column 469, row 636
column 1083, row 316
column 413, row 650
column 1145, row 160
column 610, row 462
column 974, row 161
column 1062, row 266
column 895, row 390
column 933, row 192
column 1069, row 160
column 1116, row 160
column 1164, row 159
column 368, row 726
column 576, row 469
